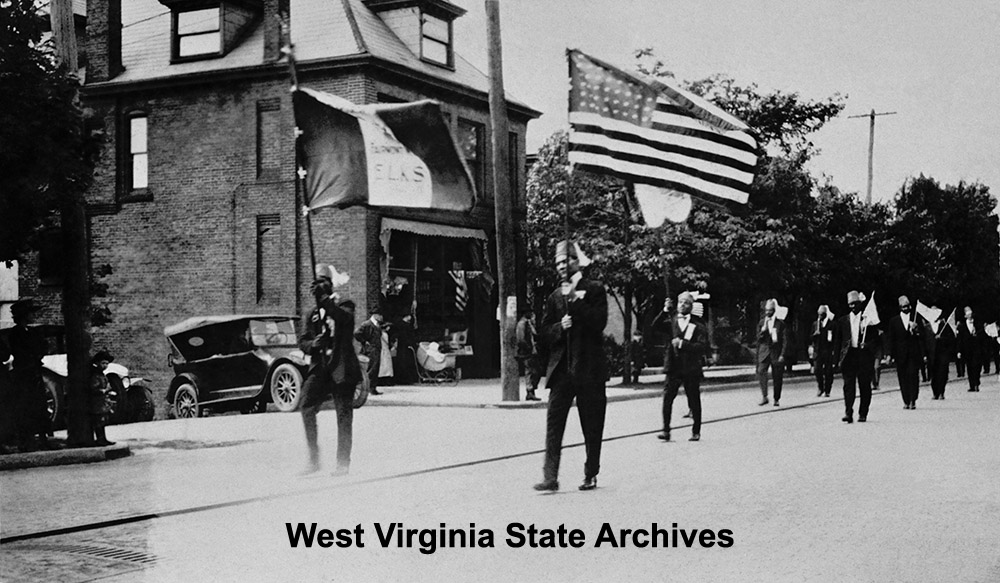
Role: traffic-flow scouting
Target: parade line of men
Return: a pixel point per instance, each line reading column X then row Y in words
column 571, row 334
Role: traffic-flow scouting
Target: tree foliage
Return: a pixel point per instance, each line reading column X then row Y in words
column 48, row 145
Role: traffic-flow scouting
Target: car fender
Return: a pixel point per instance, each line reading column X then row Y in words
column 179, row 380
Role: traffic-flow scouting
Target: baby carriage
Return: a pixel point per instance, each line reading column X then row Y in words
column 433, row 366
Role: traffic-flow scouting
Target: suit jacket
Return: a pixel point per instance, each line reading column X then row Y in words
column 769, row 347
column 685, row 360
column 369, row 335
column 580, row 349
column 868, row 337
column 821, row 338
column 940, row 346
column 905, row 345
column 327, row 337
column 970, row 344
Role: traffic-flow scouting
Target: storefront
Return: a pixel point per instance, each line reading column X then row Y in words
column 441, row 276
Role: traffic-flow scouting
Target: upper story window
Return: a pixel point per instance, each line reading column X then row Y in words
column 137, row 165
column 435, row 40
column 470, row 141
column 197, row 33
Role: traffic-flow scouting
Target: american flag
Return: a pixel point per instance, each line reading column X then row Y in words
column 648, row 132
column 461, row 290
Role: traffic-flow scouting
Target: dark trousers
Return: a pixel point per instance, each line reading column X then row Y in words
column 858, row 369
column 939, row 375
column 532, row 367
column 824, row 372
column 316, row 390
column 777, row 370
column 374, row 363
column 692, row 389
column 960, row 367
column 973, row 367
column 591, row 404
column 909, row 381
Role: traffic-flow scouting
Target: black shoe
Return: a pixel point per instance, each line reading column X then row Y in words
column 776, row 404
column 310, row 469
column 687, row 415
column 913, row 405
column 826, row 394
column 341, row 471
column 763, row 402
column 695, row 437
column 972, row 390
column 105, row 443
column 663, row 437
column 531, row 396
column 862, row 419
column 589, row 483
column 374, row 392
column 547, row 486
column 819, row 394
column 848, row 419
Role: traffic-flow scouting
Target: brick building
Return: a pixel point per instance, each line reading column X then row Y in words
column 194, row 206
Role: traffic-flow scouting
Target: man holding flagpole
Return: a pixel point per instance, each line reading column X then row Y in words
column 573, row 331
column 855, row 337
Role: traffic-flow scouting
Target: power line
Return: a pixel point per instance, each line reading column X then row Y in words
column 871, row 146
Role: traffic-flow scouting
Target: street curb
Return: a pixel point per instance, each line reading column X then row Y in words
column 650, row 391
column 81, row 455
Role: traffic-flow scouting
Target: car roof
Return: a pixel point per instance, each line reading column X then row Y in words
column 202, row 321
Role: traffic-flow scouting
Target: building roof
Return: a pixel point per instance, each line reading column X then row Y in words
column 321, row 30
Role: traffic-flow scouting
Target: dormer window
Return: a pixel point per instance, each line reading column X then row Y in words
column 435, row 41
column 198, row 33
column 207, row 29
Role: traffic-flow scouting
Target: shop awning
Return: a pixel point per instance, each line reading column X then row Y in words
column 429, row 229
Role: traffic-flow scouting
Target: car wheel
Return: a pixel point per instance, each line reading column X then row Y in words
column 286, row 387
column 141, row 404
column 55, row 400
column 186, row 402
column 121, row 407
column 361, row 392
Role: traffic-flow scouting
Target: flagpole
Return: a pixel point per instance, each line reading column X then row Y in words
column 300, row 173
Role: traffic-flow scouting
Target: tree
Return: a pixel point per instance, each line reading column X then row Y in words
column 48, row 145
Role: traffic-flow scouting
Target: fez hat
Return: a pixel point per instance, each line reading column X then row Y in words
column 853, row 296
column 564, row 250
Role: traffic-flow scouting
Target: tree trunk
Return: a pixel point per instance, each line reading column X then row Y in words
column 627, row 368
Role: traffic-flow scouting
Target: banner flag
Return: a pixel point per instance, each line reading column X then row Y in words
column 400, row 155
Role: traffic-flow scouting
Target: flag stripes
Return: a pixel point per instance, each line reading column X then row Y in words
column 679, row 144
column 461, row 290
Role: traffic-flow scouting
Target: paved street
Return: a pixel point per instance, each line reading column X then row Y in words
column 908, row 496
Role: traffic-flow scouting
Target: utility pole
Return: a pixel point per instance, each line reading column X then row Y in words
column 503, row 211
column 871, row 147
column 76, row 289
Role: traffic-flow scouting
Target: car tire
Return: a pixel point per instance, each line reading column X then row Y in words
column 361, row 392
column 186, row 404
column 141, row 406
column 286, row 387
column 55, row 400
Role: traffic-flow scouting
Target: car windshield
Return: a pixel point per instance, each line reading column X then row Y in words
column 272, row 332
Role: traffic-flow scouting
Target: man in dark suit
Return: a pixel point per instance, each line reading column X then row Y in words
column 823, row 350
column 334, row 371
column 572, row 330
column 856, row 336
column 970, row 348
column 682, row 361
column 369, row 334
column 771, row 341
column 939, row 343
column 904, row 343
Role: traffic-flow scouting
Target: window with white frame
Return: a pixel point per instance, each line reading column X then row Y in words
column 138, row 152
column 197, row 33
column 435, row 40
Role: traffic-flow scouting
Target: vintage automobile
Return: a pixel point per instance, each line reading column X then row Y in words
column 131, row 399
column 238, row 363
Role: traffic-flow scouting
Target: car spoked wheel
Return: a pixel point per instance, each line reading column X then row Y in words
column 54, row 402
column 361, row 392
column 186, row 402
column 286, row 387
